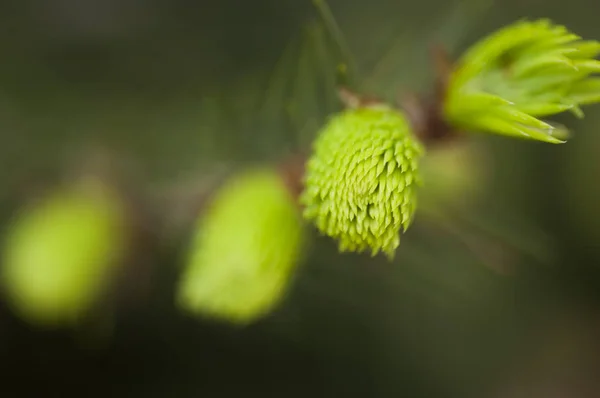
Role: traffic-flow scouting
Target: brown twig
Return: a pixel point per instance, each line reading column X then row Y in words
column 292, row 173
column 352, row 100
column 427, row 114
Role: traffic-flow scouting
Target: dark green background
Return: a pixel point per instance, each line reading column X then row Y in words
column 149, row 78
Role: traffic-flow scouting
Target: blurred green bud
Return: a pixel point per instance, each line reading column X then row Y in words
column 578, row 190
column 455, row 174
column 244, row 251
column 60, row 251
column 504, row 83
column 360, row 183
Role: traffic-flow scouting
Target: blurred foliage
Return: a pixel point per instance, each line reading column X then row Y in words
column 244, row 251
column 61, row 252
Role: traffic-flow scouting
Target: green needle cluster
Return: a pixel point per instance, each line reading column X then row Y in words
column 504, row 83
column 360, row 183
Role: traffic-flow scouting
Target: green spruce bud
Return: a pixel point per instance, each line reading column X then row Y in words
column 531, row 69
column 60, row 251
column 360, row 182
column 244, row 250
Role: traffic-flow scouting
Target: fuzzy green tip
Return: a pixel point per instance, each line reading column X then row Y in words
column 244, row 251
column 60, row 252
column 360, row 183
column 504, row 83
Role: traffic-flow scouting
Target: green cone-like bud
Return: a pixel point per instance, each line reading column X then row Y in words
column 525, row 71
column 244, row 251
column 360, row 183
column 60, row 251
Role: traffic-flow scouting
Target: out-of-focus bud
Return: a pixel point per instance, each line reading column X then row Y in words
column 244, row 249
column 61, row 250
column 455, row 175
column 577, row 190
